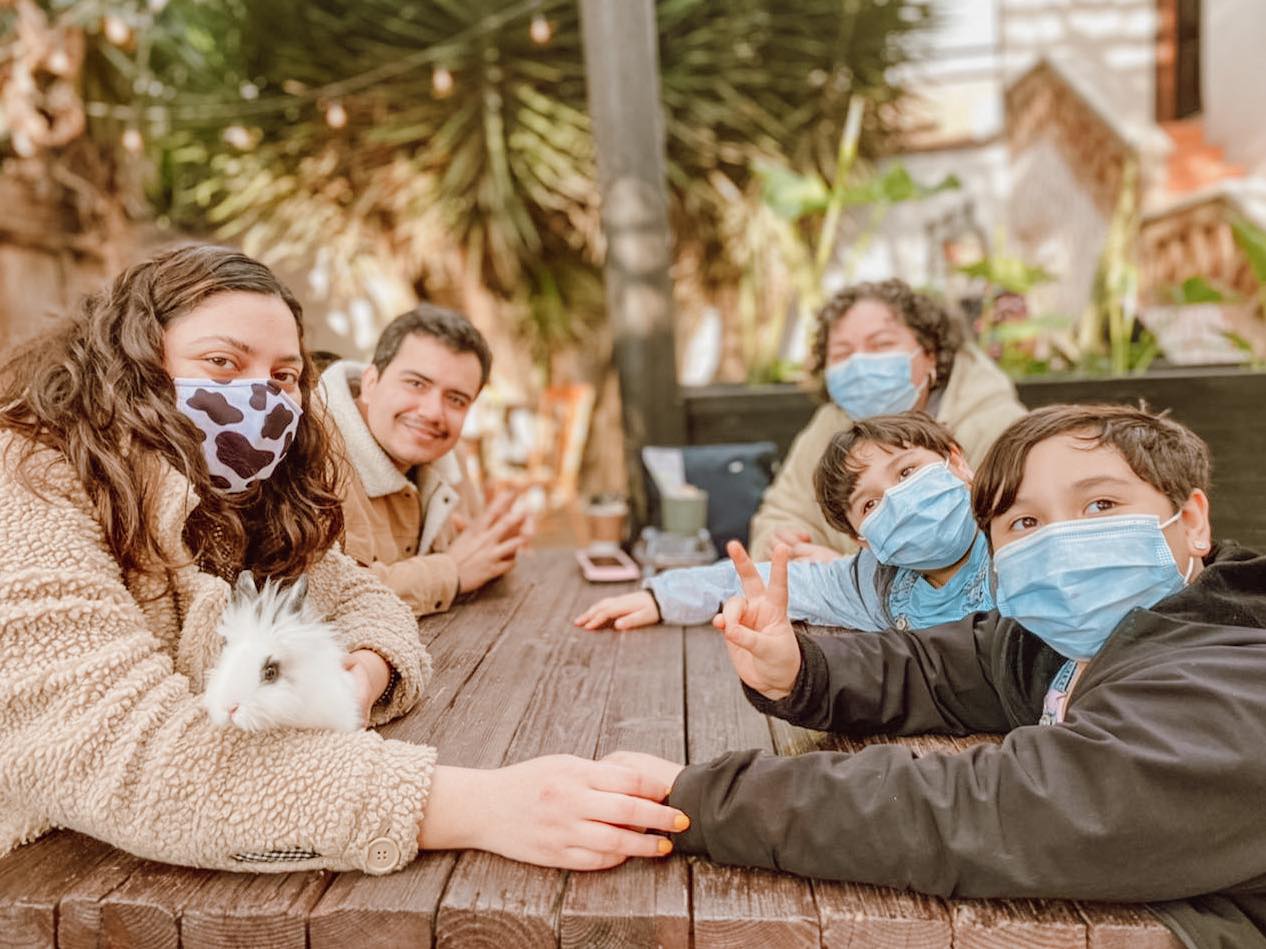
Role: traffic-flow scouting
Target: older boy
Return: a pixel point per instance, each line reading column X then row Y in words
column 1125, row 662
column 412, row 517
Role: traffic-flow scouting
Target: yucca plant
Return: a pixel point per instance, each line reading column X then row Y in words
column 452, row 135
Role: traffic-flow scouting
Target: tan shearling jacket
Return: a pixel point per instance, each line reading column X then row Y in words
column 398, row 527
column 101, row 729
column 979, row 401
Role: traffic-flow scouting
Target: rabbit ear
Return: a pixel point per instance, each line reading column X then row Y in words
column 245, row 585
column 296, row 593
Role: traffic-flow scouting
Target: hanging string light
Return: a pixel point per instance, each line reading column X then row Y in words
column 335, row 115
column 116, row 30
column 133, row 141
column 239, row 137
column 541, row 30
column 441, row 82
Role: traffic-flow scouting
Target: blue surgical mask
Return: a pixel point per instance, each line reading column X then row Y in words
column 1071, row 583
column 869, row 384
column 924, row 522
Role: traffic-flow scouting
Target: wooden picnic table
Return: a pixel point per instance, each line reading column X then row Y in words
column 514, row 679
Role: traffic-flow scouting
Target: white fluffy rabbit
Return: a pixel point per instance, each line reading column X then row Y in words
column 281, row 666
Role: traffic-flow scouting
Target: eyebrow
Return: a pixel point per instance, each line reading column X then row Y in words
column 1022, row 500
column 407, row 373
column 894, row 461
column 246, row 348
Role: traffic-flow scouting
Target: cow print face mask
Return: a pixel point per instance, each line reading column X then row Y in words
column 247, row 427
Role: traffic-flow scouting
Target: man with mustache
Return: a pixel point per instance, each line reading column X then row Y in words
column 412, row 516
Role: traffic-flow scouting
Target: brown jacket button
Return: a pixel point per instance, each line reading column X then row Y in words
column 382, row 856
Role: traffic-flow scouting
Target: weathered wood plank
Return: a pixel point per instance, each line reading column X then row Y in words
column 643, row 902
column 33, row 880
column 79, row 923
column 1117, row 926
column 742, row 907
column 875, row 917
column 731, row 906
column 491, row 901
column 484, row 653
column 261, row 911
column 1004, row 924
column 145, row 909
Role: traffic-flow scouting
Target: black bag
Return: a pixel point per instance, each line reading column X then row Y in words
column 735, row 477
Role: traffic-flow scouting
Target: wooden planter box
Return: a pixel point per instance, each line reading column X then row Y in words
column 1226, row 407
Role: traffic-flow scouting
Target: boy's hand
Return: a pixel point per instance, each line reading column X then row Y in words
column 627, row 611
column 758, row 633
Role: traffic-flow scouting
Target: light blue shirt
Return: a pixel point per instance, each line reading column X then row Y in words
column 825, row 594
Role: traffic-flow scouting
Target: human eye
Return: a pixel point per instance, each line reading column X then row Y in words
column 287, row 377
column 1022, row 524
column 868, row 505
column 906, row 472
column 457, row 402
column 1099, row 506
column 220, row 362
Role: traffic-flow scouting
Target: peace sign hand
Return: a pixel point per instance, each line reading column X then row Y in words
column 758, row 633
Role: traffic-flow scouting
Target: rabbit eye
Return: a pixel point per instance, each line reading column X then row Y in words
column 270, row 670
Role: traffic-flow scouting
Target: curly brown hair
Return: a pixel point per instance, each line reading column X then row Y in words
column 938, row 331
column 95, row 389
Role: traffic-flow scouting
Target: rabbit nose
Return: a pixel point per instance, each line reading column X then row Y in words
column 233, row 710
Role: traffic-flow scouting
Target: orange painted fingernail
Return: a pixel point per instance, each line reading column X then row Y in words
column 681, row 823
column 665, row 845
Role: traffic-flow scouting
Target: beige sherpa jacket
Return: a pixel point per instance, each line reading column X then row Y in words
column 101, row 730
column 398, row 527
column 979, row 401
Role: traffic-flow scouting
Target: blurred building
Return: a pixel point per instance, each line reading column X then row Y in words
column 1040, row 106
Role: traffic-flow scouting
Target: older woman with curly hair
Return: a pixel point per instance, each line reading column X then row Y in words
column 881, row 348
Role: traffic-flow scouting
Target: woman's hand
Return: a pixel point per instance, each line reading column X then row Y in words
column 628, row 611
column 758, row 633
column 655, row 769
column 557, row 811
column 372, row 674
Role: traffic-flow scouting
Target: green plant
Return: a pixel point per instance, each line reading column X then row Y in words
column 790, row 238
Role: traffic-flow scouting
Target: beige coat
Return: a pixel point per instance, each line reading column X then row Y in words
column 397, row 527
column 978, row 403
column 101, row 730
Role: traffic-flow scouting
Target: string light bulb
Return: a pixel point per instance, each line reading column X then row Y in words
column 541, row 30
column 239, row 137
column 116, row 30
column 133, row 141
column 335, row 115
column 442, row 82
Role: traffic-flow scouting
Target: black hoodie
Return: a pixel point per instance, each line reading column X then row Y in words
column 1153, row 789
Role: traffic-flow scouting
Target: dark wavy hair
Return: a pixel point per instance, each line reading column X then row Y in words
column 835, row 478
column 94, row 388
column 938, row 331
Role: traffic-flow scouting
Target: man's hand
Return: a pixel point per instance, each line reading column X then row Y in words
column 627, row 611
column 758, row 633
column 487, row 547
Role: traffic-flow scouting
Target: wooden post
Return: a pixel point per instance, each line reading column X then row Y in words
column 622, row 68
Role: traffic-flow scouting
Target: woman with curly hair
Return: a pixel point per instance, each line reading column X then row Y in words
column 880, row 348
column 153, row 447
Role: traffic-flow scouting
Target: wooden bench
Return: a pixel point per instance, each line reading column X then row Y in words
column 514, row 679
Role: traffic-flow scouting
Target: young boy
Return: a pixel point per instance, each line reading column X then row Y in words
column 1146, row 785
column 897, row 485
